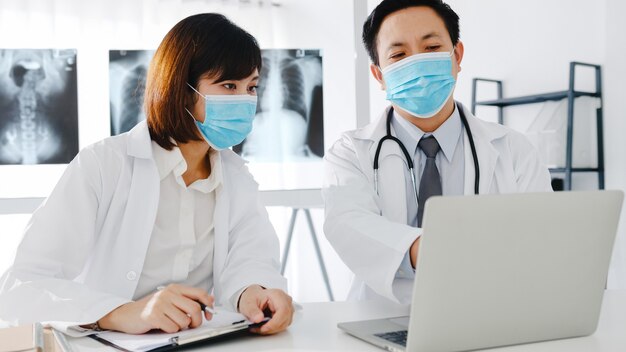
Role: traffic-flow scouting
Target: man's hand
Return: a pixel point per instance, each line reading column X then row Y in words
column 255, row 300
column 413, row 251
column 171, row 309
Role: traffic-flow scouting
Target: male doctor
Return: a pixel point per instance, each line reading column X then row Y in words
column 374, row 221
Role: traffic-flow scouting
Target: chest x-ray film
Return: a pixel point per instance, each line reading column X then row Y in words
column 127, row 83
column 38, row 106
column 289, row 124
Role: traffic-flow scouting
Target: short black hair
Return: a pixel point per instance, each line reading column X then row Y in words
column 387, row 7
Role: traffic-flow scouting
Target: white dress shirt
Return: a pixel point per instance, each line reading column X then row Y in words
column 182, row 241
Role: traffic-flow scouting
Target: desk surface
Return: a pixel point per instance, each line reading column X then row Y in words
column 315, row 329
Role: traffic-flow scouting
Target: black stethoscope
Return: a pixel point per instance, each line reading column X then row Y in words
column 409, row 159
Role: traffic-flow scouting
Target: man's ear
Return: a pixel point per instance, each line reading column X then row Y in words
column 375, row 70
column 459, row 50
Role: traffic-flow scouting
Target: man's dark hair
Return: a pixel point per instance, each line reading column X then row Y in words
column 387, row 7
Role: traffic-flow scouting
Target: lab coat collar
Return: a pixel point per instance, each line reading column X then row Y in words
column 139, row 141
column 447, row 134
column 172, row 162
column 376, row 130
column 140, row 146
column 484, row 133
column 168, row 161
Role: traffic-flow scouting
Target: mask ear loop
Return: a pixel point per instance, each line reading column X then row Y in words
column 194, row 89
column 453, row 52
column 189, row 112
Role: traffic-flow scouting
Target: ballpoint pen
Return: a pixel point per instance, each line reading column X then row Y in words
column 206, row 308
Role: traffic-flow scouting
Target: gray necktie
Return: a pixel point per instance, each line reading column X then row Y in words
column 430, row 183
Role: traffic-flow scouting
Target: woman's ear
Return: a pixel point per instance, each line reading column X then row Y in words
column 191, row 97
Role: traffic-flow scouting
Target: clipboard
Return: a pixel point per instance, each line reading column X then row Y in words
column 210, row 331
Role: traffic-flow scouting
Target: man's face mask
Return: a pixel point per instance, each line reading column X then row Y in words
column 420, row 84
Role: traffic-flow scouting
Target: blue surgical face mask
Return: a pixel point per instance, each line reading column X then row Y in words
column 420, row 84
column 227, row 120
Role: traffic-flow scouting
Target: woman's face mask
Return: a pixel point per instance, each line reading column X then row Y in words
column 228, row 118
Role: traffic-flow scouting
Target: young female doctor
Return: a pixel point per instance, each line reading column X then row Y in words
column 143, row 226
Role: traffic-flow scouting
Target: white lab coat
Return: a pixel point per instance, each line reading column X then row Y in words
column 84, row 248
column 373, row 246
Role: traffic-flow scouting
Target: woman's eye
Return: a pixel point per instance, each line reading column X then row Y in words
column 230, row 86
column 253, row 89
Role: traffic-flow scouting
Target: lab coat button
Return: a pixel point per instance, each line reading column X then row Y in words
column 131, row 275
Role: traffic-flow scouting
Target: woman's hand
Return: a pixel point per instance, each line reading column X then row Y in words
column 255, row 300
column 171, row 309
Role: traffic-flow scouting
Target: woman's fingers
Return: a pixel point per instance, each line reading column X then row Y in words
column 189, row 307
column 196, row 294
column 176, row 315
column 181, row 304
column 170, row 309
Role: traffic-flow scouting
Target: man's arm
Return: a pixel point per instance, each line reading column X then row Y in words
column 372, row 246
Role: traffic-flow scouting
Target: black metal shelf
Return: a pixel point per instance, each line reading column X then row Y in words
column 535, row 99
column 571, row 94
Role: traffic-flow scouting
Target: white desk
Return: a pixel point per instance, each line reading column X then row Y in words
column 315, row 329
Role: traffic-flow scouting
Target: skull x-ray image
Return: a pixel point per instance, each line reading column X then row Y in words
column 289, row 124
column 127, row 82
column 38, row 106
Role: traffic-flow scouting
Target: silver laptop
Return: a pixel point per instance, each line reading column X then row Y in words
column 502, row 270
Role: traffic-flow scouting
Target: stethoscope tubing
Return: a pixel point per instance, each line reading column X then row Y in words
column 409, row 159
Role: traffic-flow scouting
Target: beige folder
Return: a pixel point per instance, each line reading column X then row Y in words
column 22, row 338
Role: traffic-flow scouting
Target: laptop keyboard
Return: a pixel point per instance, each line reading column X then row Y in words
column 398, row 337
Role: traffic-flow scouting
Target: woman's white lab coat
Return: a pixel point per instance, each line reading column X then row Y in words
column 373, row 246
column 84, row 248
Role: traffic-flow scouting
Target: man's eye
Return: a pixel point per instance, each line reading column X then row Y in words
column 397, row 56
column 433, row 47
